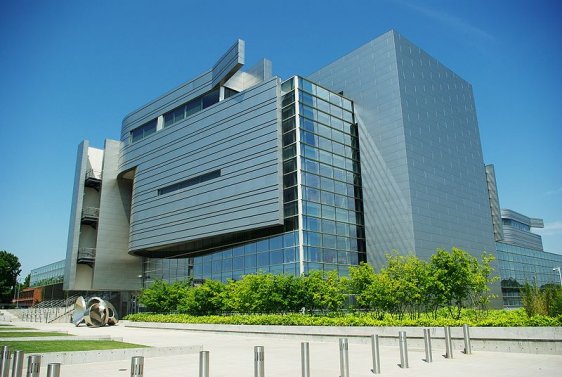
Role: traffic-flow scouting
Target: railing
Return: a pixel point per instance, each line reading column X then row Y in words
column 93, row 174
column 91, row 212
column 48, row 311
column 86, row 252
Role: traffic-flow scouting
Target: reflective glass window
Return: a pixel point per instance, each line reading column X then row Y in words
column 312, row 223
column 328, row 226
column 210, row 98
column 263, row 259
column 311, row 209
column 310, row 166
column 250, row 261
column 313, row 239
column 276, row 242
column 322, row 93
column 289, row 255
column 276, row 257
column 310, row 152
column 307, row 85
column 238, row 263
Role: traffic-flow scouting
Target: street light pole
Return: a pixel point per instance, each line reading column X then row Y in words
column 559, row 273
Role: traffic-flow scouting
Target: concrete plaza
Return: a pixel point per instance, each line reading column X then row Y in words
column 232, row 355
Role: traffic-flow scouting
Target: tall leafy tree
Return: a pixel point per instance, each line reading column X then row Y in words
column 413, row 281
column 461, row 280
column 10, row 268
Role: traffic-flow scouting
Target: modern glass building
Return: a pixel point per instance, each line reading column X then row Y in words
column 321, row 191
column 519, row 265
column 521, row 258
column 238, row 171
column 519, row 252
column 52, row 273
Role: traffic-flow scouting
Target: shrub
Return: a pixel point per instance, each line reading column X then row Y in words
column 163, row 297
column 494, row 318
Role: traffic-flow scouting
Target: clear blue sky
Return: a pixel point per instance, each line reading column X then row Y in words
column 71, row 70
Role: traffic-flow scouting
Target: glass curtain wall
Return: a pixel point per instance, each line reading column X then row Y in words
column 519, row 265
column 332, row 206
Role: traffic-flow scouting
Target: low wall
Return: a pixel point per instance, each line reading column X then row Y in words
column 81, row 357
column 538, row 340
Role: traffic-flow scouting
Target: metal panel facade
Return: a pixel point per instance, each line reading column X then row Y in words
column 446, row 170
column 238, row 136
column 369, row 76
column 423, row 174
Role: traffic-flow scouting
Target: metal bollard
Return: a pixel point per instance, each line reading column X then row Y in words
column 376, row 356
column 17, row 364
column 448, row 343
column 204, row 364
column 53, row 370
column 344, row 357
column 427, row 343
column 259, row 361
column 137, row 366
column 305, row 359
column 403, row 349
column 33, row 366
column 5, row 362
column 467, row 347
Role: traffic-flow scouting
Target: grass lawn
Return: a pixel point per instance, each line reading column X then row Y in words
column 27, row 334
column 15, row 328
column 67, row 345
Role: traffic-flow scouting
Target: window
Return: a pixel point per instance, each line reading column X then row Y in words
column 190, row 182
column 192, row 107
column 143, row 131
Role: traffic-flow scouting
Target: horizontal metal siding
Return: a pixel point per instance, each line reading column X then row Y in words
column 240, row 136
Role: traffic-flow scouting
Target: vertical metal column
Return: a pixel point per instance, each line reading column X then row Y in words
column 448, row 343
column 466, row 333
column 403, row 349
column 33, row 366
column 259, row 361
column 17, row 364
column 376, row 356
column 5, row 362
column 204, row 364
column 427, row 343
column 305, row 359
column 344, row 358
column 53, row 370
column 137, row 366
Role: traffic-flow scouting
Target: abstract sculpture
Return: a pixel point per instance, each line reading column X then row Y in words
column 96, row 313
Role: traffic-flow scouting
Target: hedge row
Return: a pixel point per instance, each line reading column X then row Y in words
column 492, row 318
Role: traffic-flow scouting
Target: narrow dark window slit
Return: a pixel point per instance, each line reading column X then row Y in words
column 190, row 182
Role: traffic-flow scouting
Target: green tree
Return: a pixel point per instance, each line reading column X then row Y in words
column 26, row 281
column 461, row 281
column 413, row 283
column 380, row 295
column 206, row 299
column 326, row 292
column 10, row 268
column 360, row 278
column 542, row 301
column 254, row 294
column 163, row 297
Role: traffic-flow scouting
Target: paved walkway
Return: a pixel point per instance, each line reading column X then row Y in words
column 232, row 356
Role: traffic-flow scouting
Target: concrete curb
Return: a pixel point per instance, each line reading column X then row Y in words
column 536, row 340
column 53, row 338
column 82, row 357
